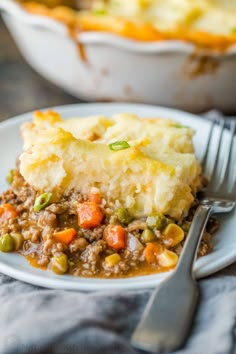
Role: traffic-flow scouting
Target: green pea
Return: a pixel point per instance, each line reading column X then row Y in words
column 148, row 236
column 10, row 176
column 18, row 240
column 169, row 221
column 63, row 217
column 186, row 226
column 123, row 216
column 6, row 243
column 42, row 201
column 59, row 264
column 156, row 221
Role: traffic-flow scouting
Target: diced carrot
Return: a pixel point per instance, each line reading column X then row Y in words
column 115, row 236
column 65, row 236
column 7, row 211
column 90, row 215
column 152, row 251
column 94, row 197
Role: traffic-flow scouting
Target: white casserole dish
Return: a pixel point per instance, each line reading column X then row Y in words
column 170, row 73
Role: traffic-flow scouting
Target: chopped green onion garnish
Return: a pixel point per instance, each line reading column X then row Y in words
column 99, row 12
column 178, row 126
column 119, row 145
column 42, row 201
column 10, row 176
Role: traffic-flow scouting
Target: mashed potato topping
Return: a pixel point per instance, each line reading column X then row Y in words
column 206, row 23
column 158, row 172
column 214, row 16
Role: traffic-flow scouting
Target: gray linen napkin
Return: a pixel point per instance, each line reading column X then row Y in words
column 35, row 320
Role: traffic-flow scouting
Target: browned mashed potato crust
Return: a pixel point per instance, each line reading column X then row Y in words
column 66, row 11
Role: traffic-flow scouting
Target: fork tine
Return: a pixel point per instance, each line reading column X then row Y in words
column 205, row 156
column 225, row 177
column 216, row 167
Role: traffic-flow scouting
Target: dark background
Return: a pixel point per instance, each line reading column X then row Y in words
column 21, row 89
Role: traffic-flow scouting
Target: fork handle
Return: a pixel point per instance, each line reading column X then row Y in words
column 168, row 315
column 193, row 239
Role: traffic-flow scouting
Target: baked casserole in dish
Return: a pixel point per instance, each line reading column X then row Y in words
column 208, row 24
column 173, row 53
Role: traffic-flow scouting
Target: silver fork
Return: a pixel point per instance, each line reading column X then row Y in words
column 167, row 318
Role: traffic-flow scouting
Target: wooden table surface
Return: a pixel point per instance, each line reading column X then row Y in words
column 22, row 90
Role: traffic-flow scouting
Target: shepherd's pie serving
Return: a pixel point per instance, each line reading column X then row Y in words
column 98, row 196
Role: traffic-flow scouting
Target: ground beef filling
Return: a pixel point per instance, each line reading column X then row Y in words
column 111, row 244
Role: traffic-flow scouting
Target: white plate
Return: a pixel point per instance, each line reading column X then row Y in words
column 17, row 267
